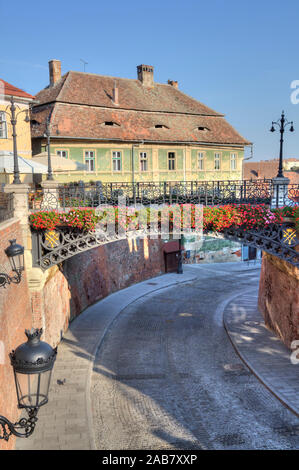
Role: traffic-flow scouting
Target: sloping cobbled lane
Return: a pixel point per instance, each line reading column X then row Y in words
column 167, row 377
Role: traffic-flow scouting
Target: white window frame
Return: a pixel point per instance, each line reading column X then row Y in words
column 171, row 160
column 116, row 161
column 90, row 157
column 60, row 152
column 233, row 161
column 143, row 161
column 200, row 161
column 3, row 125
column 218, row 159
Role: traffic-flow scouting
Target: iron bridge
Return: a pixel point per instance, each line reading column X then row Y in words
column 55, row 246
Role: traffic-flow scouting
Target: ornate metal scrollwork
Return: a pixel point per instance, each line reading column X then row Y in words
column 279, row 240
column 22, row 428
column 55, row 246
column 271, row 239
column 175, row 192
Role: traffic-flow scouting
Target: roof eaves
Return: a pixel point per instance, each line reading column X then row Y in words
column 119, row 139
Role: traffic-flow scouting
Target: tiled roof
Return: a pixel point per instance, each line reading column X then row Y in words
column 83, row 102
column 10, row 90
column 50, row 94
column 268, row 169
column 261, row 169
column 293, row 176
column 89, row 122
column 97, row 90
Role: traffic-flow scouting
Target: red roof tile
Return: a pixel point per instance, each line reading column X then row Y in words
column 268, row 169
column 293, row 176
column 11, row 90
column 89, row 122
column 97, row 90
column 261, row 169
column 82, row 103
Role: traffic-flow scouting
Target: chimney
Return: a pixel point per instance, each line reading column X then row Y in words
column 173, row 83
column 54, row 71
column 115, row 93
column 145, row 73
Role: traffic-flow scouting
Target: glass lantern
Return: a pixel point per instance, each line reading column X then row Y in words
column 15, row 253
column 32, row 363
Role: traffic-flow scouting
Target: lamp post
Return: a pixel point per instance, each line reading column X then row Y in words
column 15, row 253
column 48, row 136
column 282, row 123
column 180, row 257
column 13, row 119
column 32, row 364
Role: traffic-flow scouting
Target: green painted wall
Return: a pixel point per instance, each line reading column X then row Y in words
column 186, row 163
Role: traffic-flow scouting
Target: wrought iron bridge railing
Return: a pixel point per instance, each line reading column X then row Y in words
column 54, row 246
column 197, row 192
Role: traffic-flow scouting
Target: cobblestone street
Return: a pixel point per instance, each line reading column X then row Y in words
column 154, row 368
column 167, row 376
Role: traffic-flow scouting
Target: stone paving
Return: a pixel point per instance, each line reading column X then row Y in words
column 151, row 367
column 66, row 421
column 267, row 357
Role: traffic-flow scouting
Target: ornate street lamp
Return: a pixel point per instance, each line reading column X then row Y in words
column 13, row 119
column 15, row 254
column 282, row 123
column 32, row 364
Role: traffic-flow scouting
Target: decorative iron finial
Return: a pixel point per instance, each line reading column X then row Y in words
column 34, row 333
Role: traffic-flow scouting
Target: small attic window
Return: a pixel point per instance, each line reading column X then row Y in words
column 110, row 123
column 202, row 128
column 161, row 126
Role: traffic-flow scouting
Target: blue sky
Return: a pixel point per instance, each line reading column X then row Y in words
column 238, row 57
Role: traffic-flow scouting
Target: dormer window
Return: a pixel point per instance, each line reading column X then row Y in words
column 202, row 128
column 161, row 126
column 110, row 123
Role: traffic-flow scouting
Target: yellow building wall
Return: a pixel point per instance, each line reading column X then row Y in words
column 23, row 137
column 22, row 128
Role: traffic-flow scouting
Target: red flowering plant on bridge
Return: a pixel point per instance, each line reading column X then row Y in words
column 166, row 218
column 45, row 220
column 84, row 219
column 291, row 212
column 245, row 216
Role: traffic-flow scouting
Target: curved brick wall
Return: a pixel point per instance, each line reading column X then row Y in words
column 15, row 317
column 92, row 275
column 279, row 297
column 68, row 290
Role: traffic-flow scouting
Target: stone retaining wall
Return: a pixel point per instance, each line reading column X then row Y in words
column 65, row 292
column 279, row 297
column 15, row 317
column 88, row 277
